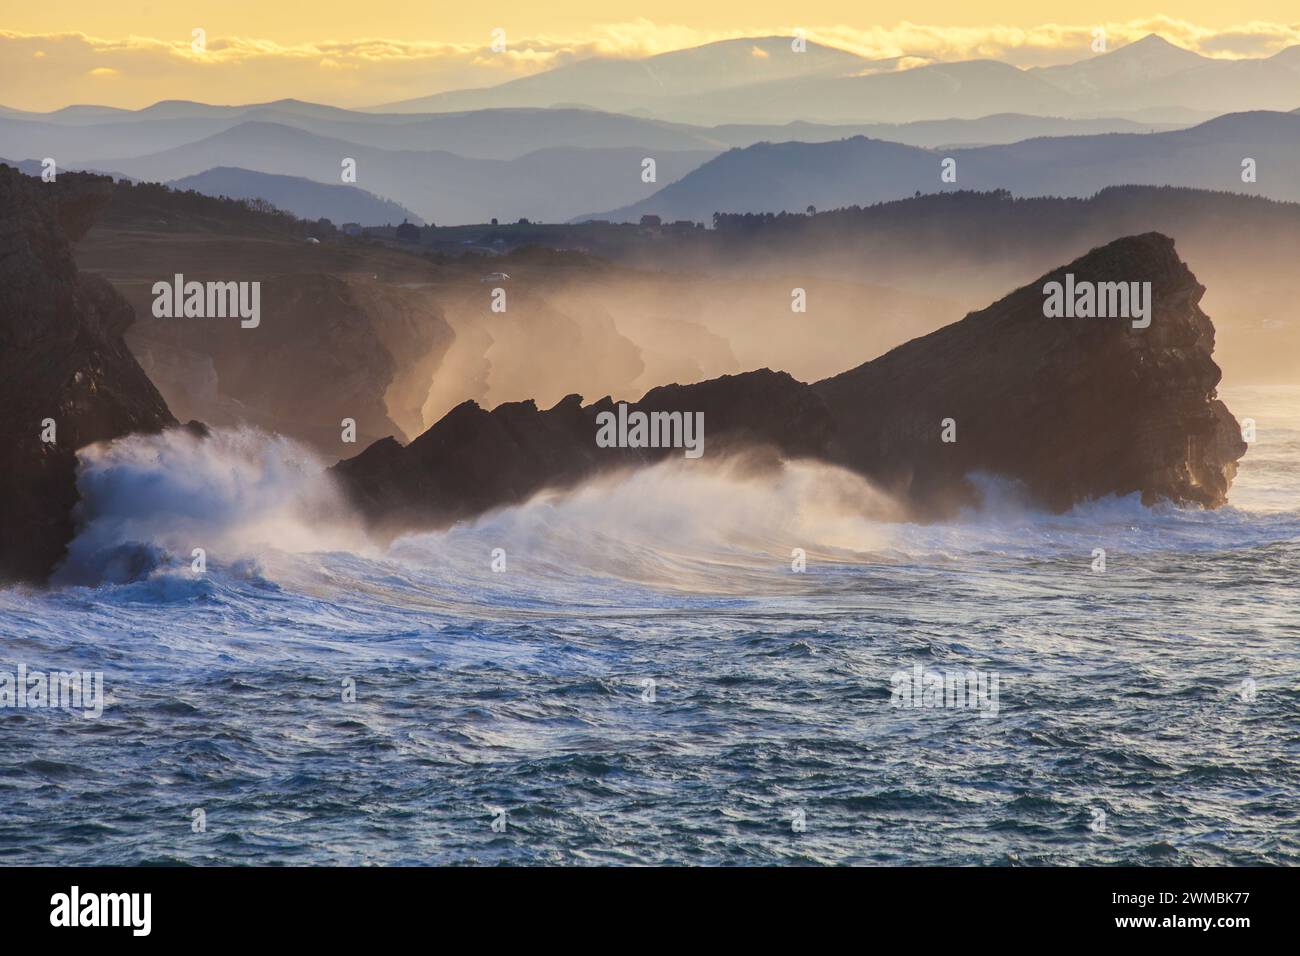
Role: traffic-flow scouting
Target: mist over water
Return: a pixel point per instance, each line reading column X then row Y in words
column 523, row 690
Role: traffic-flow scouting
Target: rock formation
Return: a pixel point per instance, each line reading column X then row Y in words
column 62, row 359
column 473, row 460
column 1073, row 408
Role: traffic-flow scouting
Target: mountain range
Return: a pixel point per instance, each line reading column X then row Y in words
column 764, row 80
column 769, row 129
column 777, row 177
column 439, row 186
column 87, row 136
column 850, row 164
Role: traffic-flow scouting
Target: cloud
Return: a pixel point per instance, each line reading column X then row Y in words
column 1052, row 43
column 43, row 72
column 49, row 71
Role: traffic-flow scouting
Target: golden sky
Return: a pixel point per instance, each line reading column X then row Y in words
column 354, row 53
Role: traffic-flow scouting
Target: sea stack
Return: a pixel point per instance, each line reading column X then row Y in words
column 1073, row 408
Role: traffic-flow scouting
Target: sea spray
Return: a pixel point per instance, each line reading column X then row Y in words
column 153, row 500
column 677, row 524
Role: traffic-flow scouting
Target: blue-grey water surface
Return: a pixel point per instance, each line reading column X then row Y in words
column 1148, row 714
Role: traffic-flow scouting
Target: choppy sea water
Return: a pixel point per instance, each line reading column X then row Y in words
column 1146, row 714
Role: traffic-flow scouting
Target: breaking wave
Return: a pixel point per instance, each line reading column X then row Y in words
column 147, row 501
column 251, row 500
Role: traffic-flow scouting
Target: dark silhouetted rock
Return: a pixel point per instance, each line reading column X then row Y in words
column 473, row 460
column 1073, row 408
column 62, row 358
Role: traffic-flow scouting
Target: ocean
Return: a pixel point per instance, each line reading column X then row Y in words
column 635, row 673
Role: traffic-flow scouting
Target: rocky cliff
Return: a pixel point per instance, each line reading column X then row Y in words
column 1073, row 408
column 65, row 372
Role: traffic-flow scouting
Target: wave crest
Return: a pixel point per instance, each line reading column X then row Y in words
column 147, row 501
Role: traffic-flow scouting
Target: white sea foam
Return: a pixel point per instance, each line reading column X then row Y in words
column 244, row 495
column 150, row 500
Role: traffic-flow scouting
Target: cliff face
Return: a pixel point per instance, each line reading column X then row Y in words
column 327, row 349
column 62, row 358
column 345, row 329
column 1074, row 408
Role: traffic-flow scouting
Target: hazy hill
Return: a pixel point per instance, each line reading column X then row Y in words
column 302, row 197
column 485, row 134
column 763, row 81
column 1154, row 73
column 28, row 167
column 755, row 81
column 1147, row 60
column 790, row 176
column 488, row 134
column 179, row 110
column 939, row 91
column 883, row 94
column 775, row 177
column 440, row 186
column 624, row 85
column 996, row 128
column 1206, row 156
column 96, row 143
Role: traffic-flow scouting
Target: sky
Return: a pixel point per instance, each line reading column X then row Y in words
column 350, row 53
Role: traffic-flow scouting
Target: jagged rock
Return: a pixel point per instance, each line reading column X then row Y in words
column 62, row 358
column 473, row 460
column 1073, row 408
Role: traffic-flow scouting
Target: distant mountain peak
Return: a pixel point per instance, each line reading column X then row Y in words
column 1150, row 59
column 1154, row 40
column 1154, row 45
